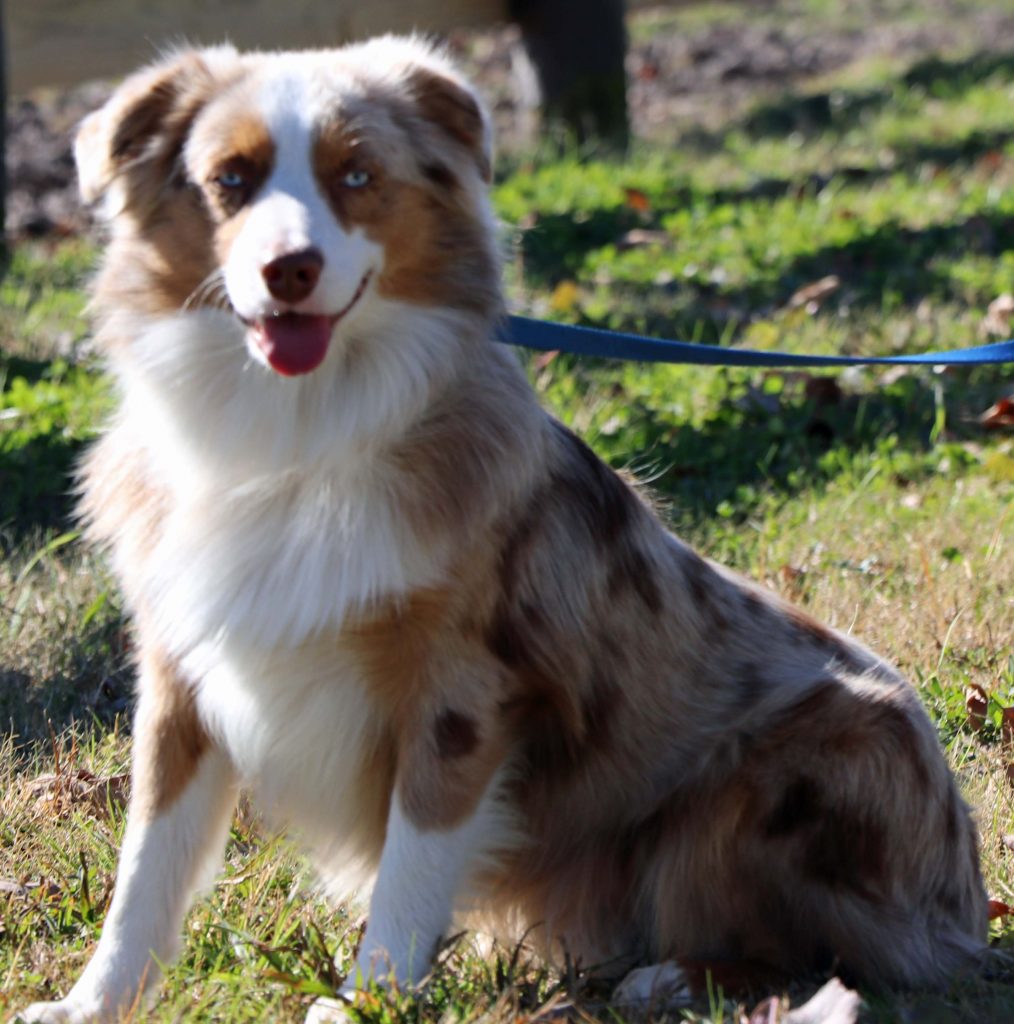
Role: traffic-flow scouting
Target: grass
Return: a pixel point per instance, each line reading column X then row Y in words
column 875, row 499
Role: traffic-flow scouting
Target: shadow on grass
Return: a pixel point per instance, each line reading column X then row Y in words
column 906, row 159
column 36, row 484
column 801, row 438
column 892, row 262
column 839, row 110
column 91, row 684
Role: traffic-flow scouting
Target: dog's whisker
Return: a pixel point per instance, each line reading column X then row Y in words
column 211, row 291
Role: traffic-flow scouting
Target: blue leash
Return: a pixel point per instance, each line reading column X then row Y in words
column 593, row 341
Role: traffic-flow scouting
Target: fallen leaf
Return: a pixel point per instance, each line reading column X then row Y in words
column 991, row 161
column 1007, row 725
column 637, row 200
column 1000, row 414
column 58, row 793
column 998, row 909
column 793, row 579
column 996, row 322
column 810, row 297
column 976, row 704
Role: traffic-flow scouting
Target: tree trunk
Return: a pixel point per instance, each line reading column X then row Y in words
column 578, row 48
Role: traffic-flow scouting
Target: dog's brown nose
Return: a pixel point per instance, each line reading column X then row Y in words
column 293, row 276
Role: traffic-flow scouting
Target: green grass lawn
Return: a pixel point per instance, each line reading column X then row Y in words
column 874, row 498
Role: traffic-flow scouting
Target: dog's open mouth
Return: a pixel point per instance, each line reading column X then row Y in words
column 296, row 343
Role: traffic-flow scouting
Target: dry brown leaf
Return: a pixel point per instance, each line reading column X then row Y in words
column 997, row 909
column 996, row 322
column 637, row 200
column 999, row 415
column 793, row 579
column 58, row 793
column 812, row 296
column 540, row 362
column 976, row 704
column 991, row 161
column 1007, row 725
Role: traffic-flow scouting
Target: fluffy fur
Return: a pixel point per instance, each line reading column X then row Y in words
column 418, row 618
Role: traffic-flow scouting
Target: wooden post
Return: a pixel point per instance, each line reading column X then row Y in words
column 578, row 48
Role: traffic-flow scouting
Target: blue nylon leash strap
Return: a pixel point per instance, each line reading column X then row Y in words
column 592, row 341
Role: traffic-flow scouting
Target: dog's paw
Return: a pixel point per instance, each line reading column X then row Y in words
column 662, row 984
column 63, row 1012
column 329, row 1011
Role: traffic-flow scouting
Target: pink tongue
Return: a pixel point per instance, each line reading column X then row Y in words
column 293, row 343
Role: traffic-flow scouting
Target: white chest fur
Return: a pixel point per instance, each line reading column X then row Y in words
column 298, row 725
column 280, row 516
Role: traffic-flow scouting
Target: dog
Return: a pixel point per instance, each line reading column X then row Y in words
column 377, row 586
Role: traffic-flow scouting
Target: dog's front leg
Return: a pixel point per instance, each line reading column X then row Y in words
column 182, row 795
column 445, row 817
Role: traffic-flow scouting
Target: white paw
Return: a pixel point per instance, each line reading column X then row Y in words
column 659, row 985
column 328, row 1011
column 833, row 1004
column 63, row 1012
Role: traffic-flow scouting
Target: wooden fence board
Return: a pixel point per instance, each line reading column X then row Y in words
column 63, row 42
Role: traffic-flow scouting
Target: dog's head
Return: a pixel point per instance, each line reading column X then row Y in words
column 298, row 191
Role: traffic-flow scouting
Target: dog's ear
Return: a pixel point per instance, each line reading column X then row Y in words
column 453, row 107
column 145, row 121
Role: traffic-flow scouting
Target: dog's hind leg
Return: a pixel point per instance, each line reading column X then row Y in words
column 182, row 795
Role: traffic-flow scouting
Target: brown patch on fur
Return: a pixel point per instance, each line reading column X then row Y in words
column 456, row 735
column 141, row 129
column 630, row 571
column 169, row 739
column 157, row 273
column 247, row 149
column 138, row 138
column 452, row 108
column 436, row 252
column 848, row 850
column 395, row 645
column 439, row 175
column 442, row 468
column 439, row 693
column 801, row 804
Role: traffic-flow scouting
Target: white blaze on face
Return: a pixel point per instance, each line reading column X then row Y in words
column 289, row 214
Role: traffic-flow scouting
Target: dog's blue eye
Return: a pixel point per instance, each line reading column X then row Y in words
column 355, row 179
column 230, row 179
